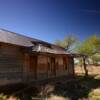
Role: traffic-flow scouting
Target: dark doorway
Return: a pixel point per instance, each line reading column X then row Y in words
column 33, row 67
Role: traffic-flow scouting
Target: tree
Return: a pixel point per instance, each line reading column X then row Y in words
column 67, row 43
column 90, row 46
column 95, row 44
column 96, row 59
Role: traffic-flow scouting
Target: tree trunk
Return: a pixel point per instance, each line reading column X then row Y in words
column 85, row 67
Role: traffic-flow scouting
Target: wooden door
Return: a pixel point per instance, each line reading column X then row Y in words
column 33, row 67
column 52, row 67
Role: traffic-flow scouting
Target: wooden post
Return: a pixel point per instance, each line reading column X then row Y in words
column 73, row 66
column 68, row 65
column 55, row 69
column 48, row 66
column 54, row 66
column 26, row 66
column 85, row 67
column 36, row 65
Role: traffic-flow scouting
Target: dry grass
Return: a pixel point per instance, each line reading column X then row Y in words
column 54, row 97
column 94, row 94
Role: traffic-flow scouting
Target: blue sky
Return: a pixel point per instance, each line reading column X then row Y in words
column 49, row 20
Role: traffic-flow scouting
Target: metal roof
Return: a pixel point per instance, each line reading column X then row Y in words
column 37, row 45
column 13, row 38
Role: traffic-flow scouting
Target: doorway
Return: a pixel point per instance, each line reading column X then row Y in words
column 51, row 67
column 33, row 67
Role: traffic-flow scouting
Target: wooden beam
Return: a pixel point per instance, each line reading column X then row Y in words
column 36, row 65
column 26, row 66
column 73, row 66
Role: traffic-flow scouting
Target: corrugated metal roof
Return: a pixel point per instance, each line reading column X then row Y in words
column 17, row 39
column 13, row 38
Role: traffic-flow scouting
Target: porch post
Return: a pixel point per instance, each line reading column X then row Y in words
column 73, row 66
column 36, row 68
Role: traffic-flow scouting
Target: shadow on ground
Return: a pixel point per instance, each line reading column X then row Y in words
column 78, row 89
column 74, row 89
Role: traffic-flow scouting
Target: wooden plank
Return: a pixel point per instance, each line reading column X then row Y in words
column 10, row 62
column 26, row 66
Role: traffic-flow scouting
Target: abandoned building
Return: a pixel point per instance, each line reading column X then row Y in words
column 25, row 59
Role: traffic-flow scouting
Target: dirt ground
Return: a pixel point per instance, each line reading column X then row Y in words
column 93, row 70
